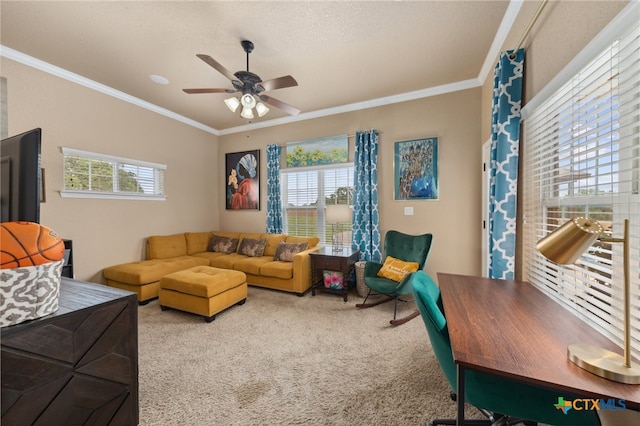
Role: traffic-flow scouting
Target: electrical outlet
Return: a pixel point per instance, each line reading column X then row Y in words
column 408, row 211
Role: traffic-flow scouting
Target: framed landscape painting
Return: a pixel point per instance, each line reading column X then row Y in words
column 319, row 151
column 243, row 180
column 416, row 169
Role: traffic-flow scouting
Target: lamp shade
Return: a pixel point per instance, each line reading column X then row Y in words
column 567, row 243
column 232, row 103
column 248, row 101
column 261, row 109
column 246, row 113
column 337, row 213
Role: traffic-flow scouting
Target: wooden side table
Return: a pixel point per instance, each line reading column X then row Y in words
column 326, row 259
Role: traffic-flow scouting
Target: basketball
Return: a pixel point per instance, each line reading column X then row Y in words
column 28, row 244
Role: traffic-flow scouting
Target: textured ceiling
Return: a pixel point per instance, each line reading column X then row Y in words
column 341, row 52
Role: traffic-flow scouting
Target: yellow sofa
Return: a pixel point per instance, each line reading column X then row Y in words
column 171, row 253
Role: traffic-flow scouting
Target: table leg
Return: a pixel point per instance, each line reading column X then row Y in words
column 460, row 395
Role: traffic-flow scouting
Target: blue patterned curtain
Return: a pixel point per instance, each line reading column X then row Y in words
column 505, row 141
column 366, row 215
column 274, row 198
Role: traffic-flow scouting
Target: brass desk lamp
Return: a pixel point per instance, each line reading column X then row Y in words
column 564, row 246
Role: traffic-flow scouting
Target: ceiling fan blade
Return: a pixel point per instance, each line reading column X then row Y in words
column 279, row 104
column 193, row 91
column 217, row 66
column 278, row 83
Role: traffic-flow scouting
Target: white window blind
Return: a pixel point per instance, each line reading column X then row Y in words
column 307, row 191
column 582, row 158
column 92, row 175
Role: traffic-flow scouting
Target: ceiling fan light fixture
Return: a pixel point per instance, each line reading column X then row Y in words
column 250, row 85
column 261, row 109
column 248, row 101
column 246, row 113
column 232, row 103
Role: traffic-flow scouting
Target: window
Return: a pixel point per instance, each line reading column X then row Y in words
column 305, row 194
column 91, row 175
column 582, row 157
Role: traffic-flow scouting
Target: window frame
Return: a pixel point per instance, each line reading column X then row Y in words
column 323, row 229
column 592, row 288
column 117, row 163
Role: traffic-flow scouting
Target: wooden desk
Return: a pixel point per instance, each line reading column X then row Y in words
column 512, row 329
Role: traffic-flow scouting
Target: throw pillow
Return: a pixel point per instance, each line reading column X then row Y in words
column 396, row 269
column 223, row 244
column 285, row 251
column 252, row 247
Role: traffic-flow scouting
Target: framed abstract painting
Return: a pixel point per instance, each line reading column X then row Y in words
column 416, row 169
column 242, row 180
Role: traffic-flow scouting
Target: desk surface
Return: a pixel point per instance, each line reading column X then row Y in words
column 512, row 329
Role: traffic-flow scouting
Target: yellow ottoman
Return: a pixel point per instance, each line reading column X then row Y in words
column 203, row 290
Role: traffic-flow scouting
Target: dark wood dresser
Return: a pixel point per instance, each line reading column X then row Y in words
column 77, row 366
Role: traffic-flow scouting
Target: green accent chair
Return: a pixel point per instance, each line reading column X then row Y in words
column 515, row 401
column 408, row 248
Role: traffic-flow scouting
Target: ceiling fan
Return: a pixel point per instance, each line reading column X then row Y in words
column 251, row 86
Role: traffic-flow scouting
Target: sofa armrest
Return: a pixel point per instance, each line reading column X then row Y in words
column 302, row 270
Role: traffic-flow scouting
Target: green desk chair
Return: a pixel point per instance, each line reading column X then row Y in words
column 516, row 401
column 407, row 248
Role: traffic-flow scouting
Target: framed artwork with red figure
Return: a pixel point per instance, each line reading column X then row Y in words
column 243, row 180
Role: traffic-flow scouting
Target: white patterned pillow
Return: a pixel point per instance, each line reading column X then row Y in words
column 29, row 293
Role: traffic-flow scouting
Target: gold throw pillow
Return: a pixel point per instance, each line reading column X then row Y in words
column 396, row 269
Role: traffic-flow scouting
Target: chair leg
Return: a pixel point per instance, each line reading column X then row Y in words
column 453, row 422
column 408, row 318
column 395, row 307
column 364, row 304
column 402, row 320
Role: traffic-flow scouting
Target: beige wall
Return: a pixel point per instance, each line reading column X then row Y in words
column 106, row 232
column 454, row 219
column 561, row 31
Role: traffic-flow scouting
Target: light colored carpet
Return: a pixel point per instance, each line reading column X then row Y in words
column 280, row 359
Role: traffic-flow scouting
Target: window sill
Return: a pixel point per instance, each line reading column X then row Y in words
column 111, row 196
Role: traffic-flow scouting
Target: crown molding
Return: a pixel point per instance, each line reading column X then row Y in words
column 30, row 61
column 373, row 103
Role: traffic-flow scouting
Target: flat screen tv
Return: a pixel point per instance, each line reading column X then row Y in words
column 20, row 177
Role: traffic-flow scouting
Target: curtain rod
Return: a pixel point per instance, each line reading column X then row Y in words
column 528, row 29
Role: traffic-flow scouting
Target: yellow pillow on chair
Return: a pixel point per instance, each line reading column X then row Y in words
column 396, row 269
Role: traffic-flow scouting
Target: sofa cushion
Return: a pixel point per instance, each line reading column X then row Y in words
column 251, row 265
column 285, row 251
column 223, row 244
column 272, row 243
column 282, row 270
column 197, row 242
column 252, row 247
column 311, row 241
column 209, row 255
column 166, row 246
column 226, row 261
column 149, row 271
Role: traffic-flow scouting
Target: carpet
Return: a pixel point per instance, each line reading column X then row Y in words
column 280, row 359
